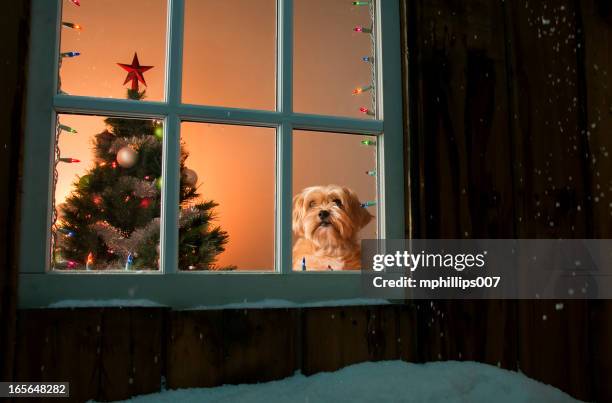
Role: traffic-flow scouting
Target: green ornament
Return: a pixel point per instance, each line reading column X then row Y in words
column 158, row 183
column 84, row 182
column 159, row 132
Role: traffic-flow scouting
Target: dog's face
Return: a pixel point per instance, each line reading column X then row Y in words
column 328, row 215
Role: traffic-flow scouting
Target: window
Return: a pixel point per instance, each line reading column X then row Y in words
column 248, row 104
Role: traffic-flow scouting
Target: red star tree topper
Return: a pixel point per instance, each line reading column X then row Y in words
column 135, row 72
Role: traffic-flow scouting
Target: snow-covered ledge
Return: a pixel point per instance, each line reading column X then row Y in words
column 262, row 304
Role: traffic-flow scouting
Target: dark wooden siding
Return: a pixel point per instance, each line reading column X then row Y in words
column 113, row 353
column 502, row 111
column 14, row 27
column 510, row 119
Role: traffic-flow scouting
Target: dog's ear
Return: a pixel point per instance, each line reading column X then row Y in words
column 364, row 216
column 360, row 215
column 298, row 215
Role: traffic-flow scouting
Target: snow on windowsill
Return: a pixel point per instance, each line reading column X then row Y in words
column 389, row 381
column 263, row 304
column 104, row 303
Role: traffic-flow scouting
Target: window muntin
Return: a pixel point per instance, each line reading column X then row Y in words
column 39, row 289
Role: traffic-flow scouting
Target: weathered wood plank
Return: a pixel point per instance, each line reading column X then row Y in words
column 209, row 348
column 131, row 352
column 15, row 35
column 600, row 349
column 335, row 337
column 596, row 23
column 554, row 345
column 550, row 128
column 480, row 330
column 460, row 136
column 60, row 345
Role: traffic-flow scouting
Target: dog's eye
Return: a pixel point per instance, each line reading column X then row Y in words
column 338, row 202
column 311, row 204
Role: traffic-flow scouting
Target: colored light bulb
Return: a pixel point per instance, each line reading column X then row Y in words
column 371, row 173
column 71, row 264
column 66, row 231
column 67, row 129
column 368, row 59
column 159, row 132
column 366, row 111
column 76, row 2
column 359, row 90
column 368, row 142
column 361, row 3
column 69, row 160
column 70, row 54
column 361, row 29
column 89, row 262
column 145, row 203
column 72, row 25
column 368, row 204
column 129, row 262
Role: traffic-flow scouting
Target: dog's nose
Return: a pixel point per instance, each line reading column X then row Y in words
column 323, row 214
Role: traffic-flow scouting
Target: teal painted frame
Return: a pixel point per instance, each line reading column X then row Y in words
column 40, row 287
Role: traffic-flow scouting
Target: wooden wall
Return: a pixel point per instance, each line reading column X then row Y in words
column 508, row 137
column 13, row 61
column 509, row 134
column 112, row 353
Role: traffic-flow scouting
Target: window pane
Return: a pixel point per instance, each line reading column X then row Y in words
column 334, row 207
column 107, row 32
column 229, row 53
column 334, row 58
column 107, row 194
column 231, row 169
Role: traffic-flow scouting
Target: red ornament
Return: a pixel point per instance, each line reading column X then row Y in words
column 145, row 203
column 135, row 71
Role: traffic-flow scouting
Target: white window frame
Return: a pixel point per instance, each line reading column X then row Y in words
column 40, row 287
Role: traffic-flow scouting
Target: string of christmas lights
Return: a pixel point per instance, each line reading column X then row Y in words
column 70, row 54
column 58, row 130
column 58, row 158
column 67, row 129
column 72, row 25
column 368, row 59
column 371, row 87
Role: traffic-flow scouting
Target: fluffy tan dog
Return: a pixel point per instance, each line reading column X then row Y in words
column 326, row 221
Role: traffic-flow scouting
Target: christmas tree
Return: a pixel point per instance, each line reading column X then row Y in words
column 111, row 219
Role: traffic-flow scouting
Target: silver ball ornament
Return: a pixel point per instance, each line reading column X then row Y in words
column 127, row 157
column 190, row 177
